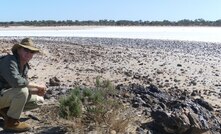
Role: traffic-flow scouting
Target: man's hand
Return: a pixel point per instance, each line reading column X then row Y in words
column 37, row 89
column 41, row 90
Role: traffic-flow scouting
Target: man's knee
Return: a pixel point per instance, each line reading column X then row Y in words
column 24, row 92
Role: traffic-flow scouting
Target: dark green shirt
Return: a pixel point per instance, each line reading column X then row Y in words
column 11, row 76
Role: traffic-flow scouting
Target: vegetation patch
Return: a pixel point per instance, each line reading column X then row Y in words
column 97, row 109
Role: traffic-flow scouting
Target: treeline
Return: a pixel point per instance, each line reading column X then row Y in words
column 184, row 22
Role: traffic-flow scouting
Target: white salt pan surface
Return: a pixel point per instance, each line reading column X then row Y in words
column 207, row 34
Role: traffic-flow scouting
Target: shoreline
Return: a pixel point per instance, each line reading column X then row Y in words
column 70, row 39
column 48, row 27
column 95, row 26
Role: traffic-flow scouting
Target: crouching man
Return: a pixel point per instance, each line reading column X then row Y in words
column 17, row 94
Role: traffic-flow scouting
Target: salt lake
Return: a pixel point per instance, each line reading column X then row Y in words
column 208, row 34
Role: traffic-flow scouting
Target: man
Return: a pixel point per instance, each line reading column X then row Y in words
column 17, row 93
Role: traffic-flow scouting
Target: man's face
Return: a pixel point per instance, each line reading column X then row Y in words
column 25, row 54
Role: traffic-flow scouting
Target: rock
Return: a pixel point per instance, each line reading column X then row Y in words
column 204, row 104
column 172, row 114
column 54, row 81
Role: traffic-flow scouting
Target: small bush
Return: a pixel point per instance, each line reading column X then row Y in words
column 71, row 106
column 100, row 107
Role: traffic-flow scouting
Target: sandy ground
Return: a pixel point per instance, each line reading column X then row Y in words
column 80, row 64
column 167, row 64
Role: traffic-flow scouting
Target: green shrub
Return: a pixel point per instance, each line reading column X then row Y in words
column 100, row 106
column 71, row 106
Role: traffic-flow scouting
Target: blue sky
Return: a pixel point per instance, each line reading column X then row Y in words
column 173, row 10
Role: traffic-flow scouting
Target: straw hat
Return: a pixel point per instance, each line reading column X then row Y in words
column 25, row 43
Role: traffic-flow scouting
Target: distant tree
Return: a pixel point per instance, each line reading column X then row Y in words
column 217, row 23
column 185, row 22
column 105, row 22
column 199, row 22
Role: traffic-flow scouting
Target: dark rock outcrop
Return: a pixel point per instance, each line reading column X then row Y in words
column 173, row 112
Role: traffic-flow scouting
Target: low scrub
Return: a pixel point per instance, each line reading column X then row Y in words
column 96, row 107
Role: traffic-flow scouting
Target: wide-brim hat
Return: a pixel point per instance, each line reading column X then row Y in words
column 25, row 43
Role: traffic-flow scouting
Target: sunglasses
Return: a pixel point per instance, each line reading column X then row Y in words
column 29, row 51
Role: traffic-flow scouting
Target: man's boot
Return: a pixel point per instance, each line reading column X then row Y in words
column 14, row 125
column 3, row 112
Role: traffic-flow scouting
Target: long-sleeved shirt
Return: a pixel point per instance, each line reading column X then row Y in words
column 11, row 76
